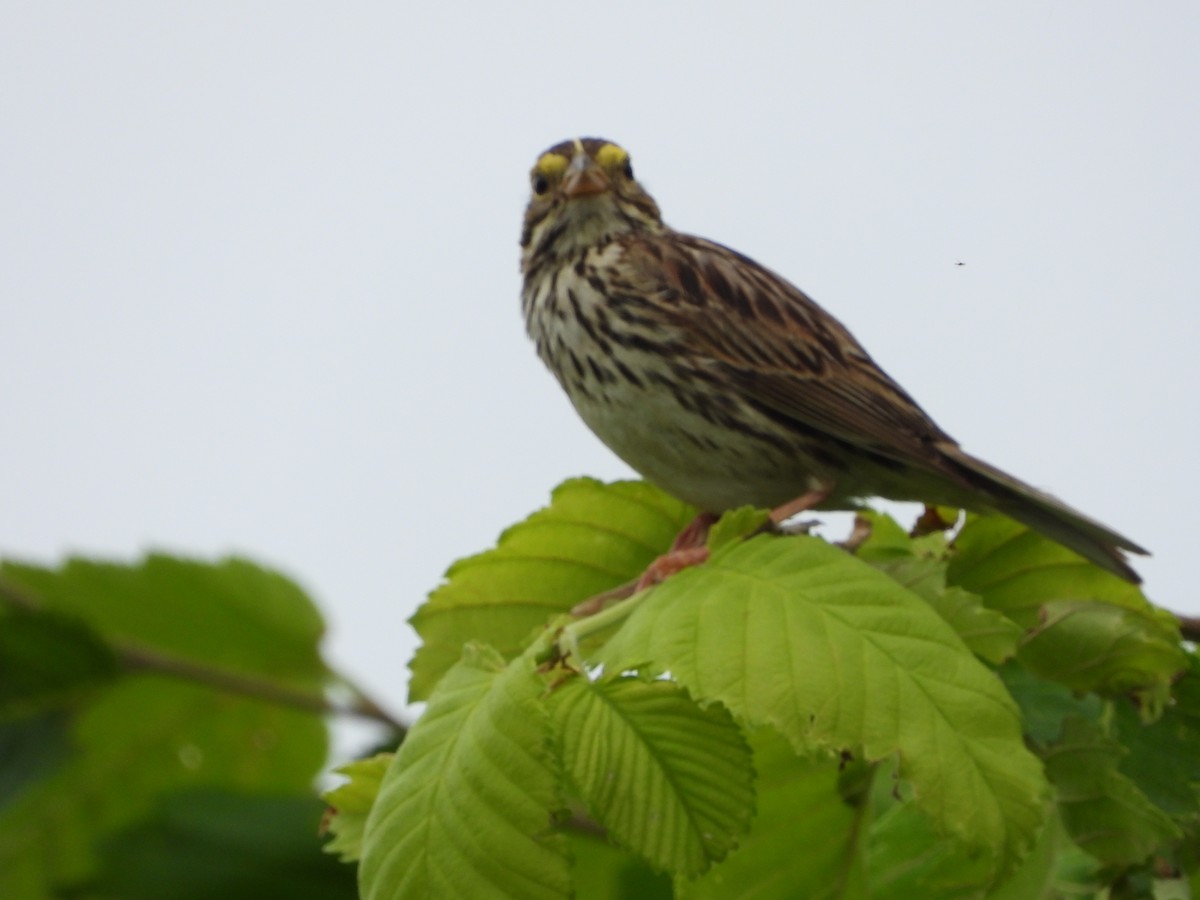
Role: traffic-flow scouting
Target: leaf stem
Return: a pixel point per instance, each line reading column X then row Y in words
column 571, row 635
column 856, row 844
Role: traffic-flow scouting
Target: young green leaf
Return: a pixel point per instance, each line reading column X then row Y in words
column 885, row 539
column 990, row 634
column 668, row 780
column 736, row 525
column 793, row 633
column 1016, row 570
column 1111, row 650
column 350, row 803
column 919, row 565
column 591, row 538
column 465, row 809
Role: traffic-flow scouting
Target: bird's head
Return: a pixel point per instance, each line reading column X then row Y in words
column 583, row 193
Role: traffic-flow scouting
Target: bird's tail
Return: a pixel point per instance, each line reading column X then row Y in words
column 1047, row 515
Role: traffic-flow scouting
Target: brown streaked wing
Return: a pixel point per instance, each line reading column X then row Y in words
column 771, row 342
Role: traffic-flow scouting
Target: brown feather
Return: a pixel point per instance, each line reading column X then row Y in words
column 804, row 363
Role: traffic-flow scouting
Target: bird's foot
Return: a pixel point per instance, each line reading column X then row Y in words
column 687, row 550
column 689, row 547
column 930, row 520
column 670, row 563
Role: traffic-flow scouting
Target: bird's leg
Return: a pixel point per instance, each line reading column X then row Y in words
column 805, row 501
column 687, row 550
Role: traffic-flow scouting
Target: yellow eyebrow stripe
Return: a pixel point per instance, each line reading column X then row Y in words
column 610, row 156
column 551, row 164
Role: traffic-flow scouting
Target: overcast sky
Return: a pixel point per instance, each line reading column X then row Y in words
column 258, row 262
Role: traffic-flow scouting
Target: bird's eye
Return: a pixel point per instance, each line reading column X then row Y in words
column 629, row 170
column 540, row 184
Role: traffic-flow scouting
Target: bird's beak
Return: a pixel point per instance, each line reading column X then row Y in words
column 584, row 178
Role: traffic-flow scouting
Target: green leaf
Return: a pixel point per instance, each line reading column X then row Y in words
column 1164, row 756
column 591, row 538
column 204, row 844
column 793, row 633
column 351, row 802
column 48, row 660
column 735, row 525
column 1111, row 650
column 31, row 747
column 1035, row 878
column 1044, row 704
column 887, row 540
column 919, row 565
column 907, row 859
column 988, row 633
column 465, row 807
column 1077, row 873
column 605, row 872
column 1016, row 570
column 1171, row 889
column 670, row 781
column 1104, row 812
column 143, row 738
column 805, row 840
column 146, row 735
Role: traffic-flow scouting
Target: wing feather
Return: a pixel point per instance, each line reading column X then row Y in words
column 777, row 347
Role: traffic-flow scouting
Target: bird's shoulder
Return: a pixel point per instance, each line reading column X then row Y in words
column 770, row 337
column 738, row 292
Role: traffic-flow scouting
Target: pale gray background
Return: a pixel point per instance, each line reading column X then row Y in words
column 258, row 262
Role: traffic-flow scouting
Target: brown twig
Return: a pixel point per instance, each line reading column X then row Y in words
column 134, row 659
column 1189, row 627
column 16, row 597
